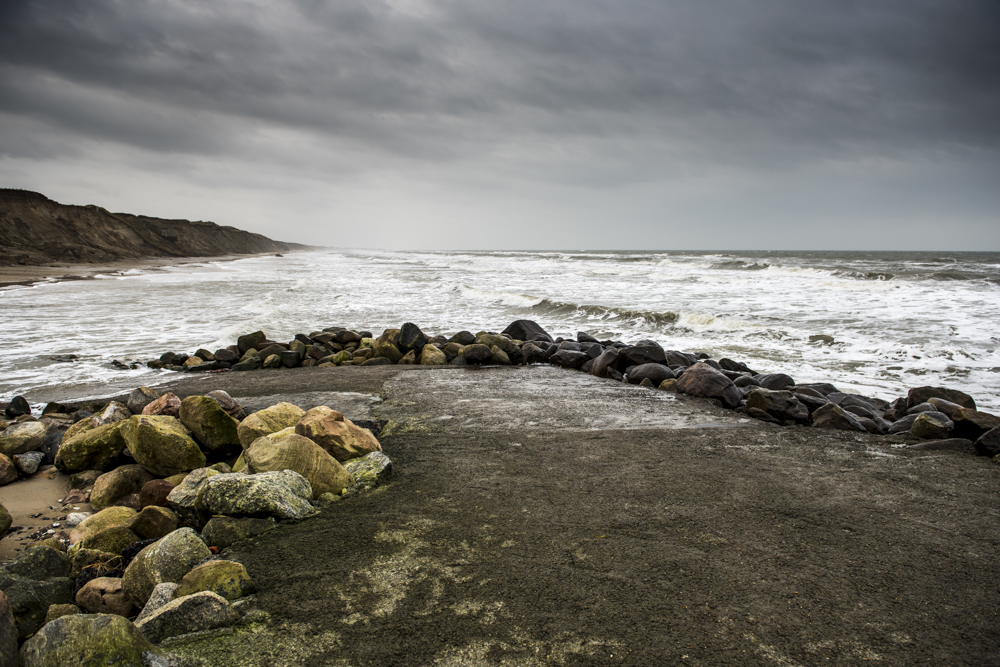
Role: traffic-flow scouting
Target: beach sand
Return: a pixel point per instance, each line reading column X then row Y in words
column 34, row 506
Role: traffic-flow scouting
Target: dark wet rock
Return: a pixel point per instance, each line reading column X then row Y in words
column 948, row 444
column 738, row 366
column 250, row 341
column 532, row 354
column 227, row 356
column 346, row 337
column 644, row 352
column 8, row 634
column 757, row 413
column 154, row 522
column 466, row 338
column 584, row 337
column 971, row 424
column 477, row 353
column 411, row 337
column 870, row 425
column 377, row 361
column 704, row 381
column 607, row 359
column 385, row 346
column 675, row 358
column 988, row 444
column 655, row 373
column 745, row 381
column 922, row 407
column 290, row 358
column 903, row 424
column 498, row 357
column 860, row 411
column 527, row 330
column 139, row 398
column 782, row 405
column 569, row 358
column 921, row 394
column 832, row 415
column 824, row 388
column 775, row 381
column 250, row 364
column 36, row 579
column 16, row 407
column 928, row 426
column 40, row 563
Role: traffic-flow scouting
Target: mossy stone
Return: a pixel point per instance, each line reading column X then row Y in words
column 111, row 540
column 106, row 518
column 223, row 577
column 95, row 448
column 87, row 639
column 161, row 444
column 210, row 425
column 268, row 421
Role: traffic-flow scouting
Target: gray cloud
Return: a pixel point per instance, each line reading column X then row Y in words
column 594, row 94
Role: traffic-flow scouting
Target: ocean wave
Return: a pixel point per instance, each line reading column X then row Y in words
column 740, row 265
column 552, row 308
column 700, row 322
column 864, row 275
column 504, row 298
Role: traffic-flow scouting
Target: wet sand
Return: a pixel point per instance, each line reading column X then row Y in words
column 34, row 506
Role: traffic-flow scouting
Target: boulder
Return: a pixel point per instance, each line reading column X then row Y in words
column 530, row 353
column 302, row 455
column 16, row 407
column 385, row 346
column 988, row 444
column 112, row 540
column 58, row 611
column 166, row 560
column 947, row 407
column 680, row 359
column 229, row 405
column 464, row 338
column 224, row 531
column 155, row 492
column 161, row 595
column 283, row 494
column 410, row 338
column 113, row 413
column 104, row 595
column 655, row 373
column 8, row 634
column 644, row 352
column 339, row 436
column 39, row 563
column 154, row 522
column 184, row 498
column 782, row 405
column 267, row 421
column 113, row 486
column 31, row 589
column 969, row 424
column 904, row 424
column 191, row 613
column 107, row 518
column 477, row 353
column 431, row 356
column 922, row 394
column 252, row 363
column 167, row 405
column 161, row 444
column 527, row 330
column 832, row 415
column 8, row 471
column 702, row 380
column 607, row 359
column 140, row 398
column 369, row 470
column 250, row 341
column 222, row 577
column 927, row 426
column 95, row 448
column 775, row 381
column 211, row 426
column 88, row 639
column 409, row 359
column 22, row 437
column 569, row 358
column 28, row 462
column 272, row 361
column 498, row 357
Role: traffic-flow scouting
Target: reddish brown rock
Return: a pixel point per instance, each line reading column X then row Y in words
column 154, row 493
column 8, row 471
column 168, row 405
column 104, row 595
column 704, row 381
column 339, row 436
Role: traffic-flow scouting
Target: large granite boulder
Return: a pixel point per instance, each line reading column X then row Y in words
column 527, row 330
column 222, row 577
column 104, row 595
column 702, row 380
column 298, row 453
column 114, row 486
column 185, row 497
column 162, row 445
column 644, row 352
column 284, row 495
column 607, row 359
column 167, row 560
column 919, row 395
column 267, row 421
column 87, row 640
column 211, row 426
column 22, row 437
column 385, row 346
column 832, row 415
column 191, row 613
column 36, row 579
column 339, row 436
column 782, row 405
column 92, row 449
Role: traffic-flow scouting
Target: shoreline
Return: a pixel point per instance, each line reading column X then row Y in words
column 31, row 274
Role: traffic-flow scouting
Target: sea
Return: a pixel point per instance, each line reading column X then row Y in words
column 874, row 323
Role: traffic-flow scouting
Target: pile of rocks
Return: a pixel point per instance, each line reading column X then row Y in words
column 172, row 483
column 938, row 417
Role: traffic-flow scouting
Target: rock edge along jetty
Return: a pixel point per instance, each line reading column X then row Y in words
column 36, row 230
column 930, row 417
column 172, row 483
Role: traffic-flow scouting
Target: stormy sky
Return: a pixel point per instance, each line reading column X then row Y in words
column 485, row 124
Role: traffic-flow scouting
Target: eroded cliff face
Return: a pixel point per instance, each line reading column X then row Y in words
column 36, row 230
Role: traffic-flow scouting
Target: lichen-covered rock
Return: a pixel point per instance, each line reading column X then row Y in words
column 154, row 522
column 431, row 356
column 210, row 425
column 94, row 448
column 225, row 531
column 58, row 611
column 112, row 540
column 832, row 415
column 369, row 470
column 267, row 421
column 184, row 498
column 928, row 426
column 385, row 346
column 82, row 558
column 339, row 436
column 284, row 495
column 165, row 561
column 8, row 471
column 702, row 380
column 22, row 437
column 107, row 640
column 106, row 518
column 104, row 595
column 113, row 486
column 302, row 455
column 223, row 577
column 30, row 593
column 40, row 563
column 162, row 445
column 191, row 613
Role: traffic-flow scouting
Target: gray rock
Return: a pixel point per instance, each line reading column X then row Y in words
column 903, row 424
column 368, row 471
column 140, row 398
column 782, row 405
column 161, row 595
column 165, row 561
column 949, row 444
column 283, row 494
column 832, row 415
column 28, row 462
column 30, row 599
column 224, row 531
column 775, row 381
column 191, row 613
column 703, row 380
column 22, row 437
column 988, row 444
column 930, row 426
column 113, row 413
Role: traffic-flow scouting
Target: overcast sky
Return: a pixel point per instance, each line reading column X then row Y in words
column 541, row 124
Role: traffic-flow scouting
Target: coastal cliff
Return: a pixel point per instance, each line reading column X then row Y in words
column 36, row 230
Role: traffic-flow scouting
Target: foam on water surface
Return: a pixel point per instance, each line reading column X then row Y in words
column 897, row 319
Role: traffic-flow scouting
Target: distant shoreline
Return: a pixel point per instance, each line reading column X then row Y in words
column 59, row 271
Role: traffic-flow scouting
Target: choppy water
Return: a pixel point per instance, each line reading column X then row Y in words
column 898, row 319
